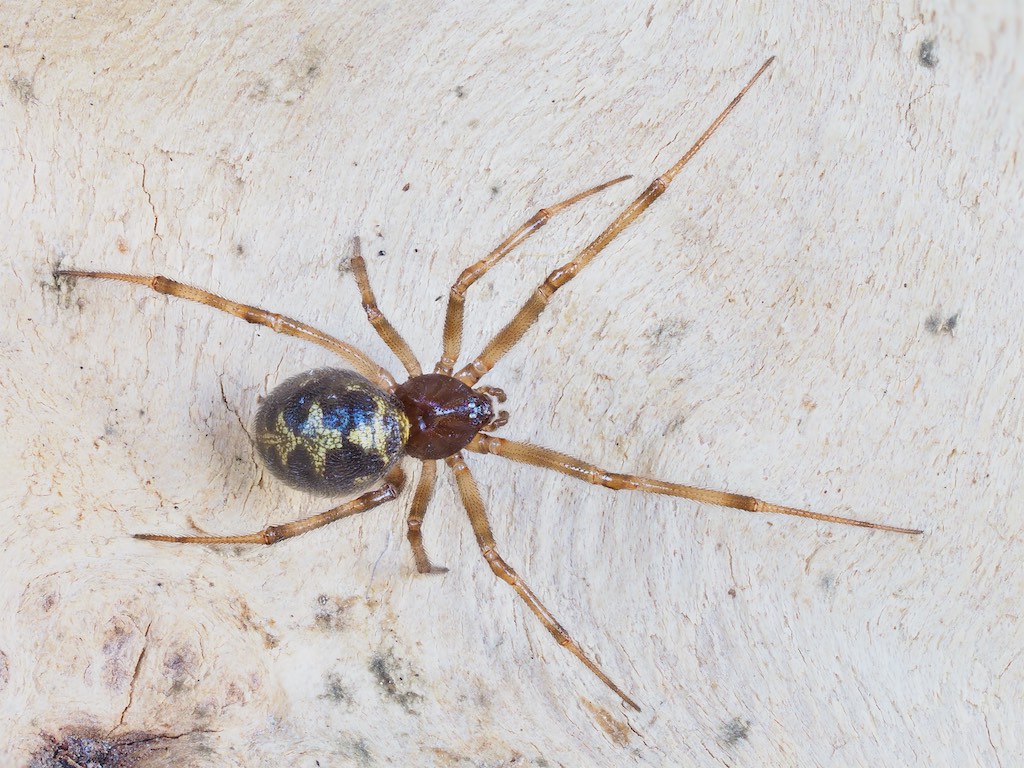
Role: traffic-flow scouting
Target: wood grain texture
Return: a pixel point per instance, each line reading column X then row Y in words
column 823, row 311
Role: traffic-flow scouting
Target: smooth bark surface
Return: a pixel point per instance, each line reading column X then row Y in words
column 824, row 310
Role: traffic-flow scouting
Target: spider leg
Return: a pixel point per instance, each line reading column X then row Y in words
column 527, row 315
column 380, row 323
column 414, row 523
column 488, row 548
column 279, row 323
column 567, row 465
column 452, row 343
column 276, row 533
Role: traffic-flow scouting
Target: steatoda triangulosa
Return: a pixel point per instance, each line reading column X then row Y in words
column 338, row 432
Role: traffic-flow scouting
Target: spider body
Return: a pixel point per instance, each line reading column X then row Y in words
column 336, row 432
column 333, row 432
column 330, row 432
column 444, row 415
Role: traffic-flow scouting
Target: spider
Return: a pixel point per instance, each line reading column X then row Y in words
column 340, row 432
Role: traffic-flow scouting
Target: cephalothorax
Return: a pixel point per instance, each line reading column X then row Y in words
column 342, row 432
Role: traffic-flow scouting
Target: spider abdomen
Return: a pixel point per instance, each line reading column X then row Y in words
column 330, row 432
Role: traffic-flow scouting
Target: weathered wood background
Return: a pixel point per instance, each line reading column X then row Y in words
column 825, row 310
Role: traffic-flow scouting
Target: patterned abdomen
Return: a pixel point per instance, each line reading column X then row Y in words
column 330, row 432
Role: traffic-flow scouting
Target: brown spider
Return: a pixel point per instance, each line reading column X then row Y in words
column 339, row 432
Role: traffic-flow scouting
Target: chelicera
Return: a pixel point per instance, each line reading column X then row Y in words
column 343, row 432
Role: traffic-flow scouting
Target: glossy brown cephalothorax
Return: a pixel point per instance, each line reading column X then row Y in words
column 444, row 415
column 343, row 432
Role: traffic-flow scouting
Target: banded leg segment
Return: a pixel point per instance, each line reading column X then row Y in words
column 380, row 323
column 414, row 523
column 276, row 533
column 488, row 548
column 279, row 323
column 452, row 341
column 508, row 336
column 567, row 465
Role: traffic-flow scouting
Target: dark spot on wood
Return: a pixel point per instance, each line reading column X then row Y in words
column 90, row 749
column 668, row 332
column 393, row 680
column 361, row 753
column 119, row 662
column 332, row 614
column 234, row 694
column 827, row 583
column 23, row 90
column 335, row 690
column 180, row 666
column 735, row 730
column 936, row 324
column 618, row 731
column 247, row 621
column 5, row 671
column 926, row 54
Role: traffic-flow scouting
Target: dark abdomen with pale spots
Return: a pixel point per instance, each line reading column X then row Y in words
column 330, row 432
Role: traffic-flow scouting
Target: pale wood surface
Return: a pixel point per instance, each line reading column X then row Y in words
column 777, row 324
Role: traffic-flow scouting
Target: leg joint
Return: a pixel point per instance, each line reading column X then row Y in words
column 162, row 284
column 272, row 534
